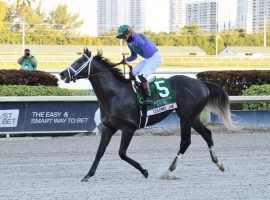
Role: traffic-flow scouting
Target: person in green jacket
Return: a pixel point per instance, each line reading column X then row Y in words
column 28, row 61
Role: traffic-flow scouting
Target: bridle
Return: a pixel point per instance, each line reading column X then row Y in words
column 80, row 69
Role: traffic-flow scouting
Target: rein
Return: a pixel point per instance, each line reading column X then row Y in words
column 87, row 63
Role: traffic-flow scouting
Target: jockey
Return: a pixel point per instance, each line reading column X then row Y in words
column 142, row 45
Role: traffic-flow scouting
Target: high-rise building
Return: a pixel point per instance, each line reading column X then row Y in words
column 177, row 15
column 203, row 14
column 112, row 13
column 108, row 15
column 261, row 15
column 137, row 14
column 244, row 15
column 253, row 15
column 212, row 15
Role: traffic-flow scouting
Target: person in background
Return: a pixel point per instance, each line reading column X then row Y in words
column 28, row 61
column 141, row 45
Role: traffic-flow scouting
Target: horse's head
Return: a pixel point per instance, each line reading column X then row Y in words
column 80, row 68
column 88, row 65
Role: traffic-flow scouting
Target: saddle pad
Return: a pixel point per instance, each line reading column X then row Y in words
column 163, row 97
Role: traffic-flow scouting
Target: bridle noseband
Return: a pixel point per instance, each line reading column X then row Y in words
column 80, row 69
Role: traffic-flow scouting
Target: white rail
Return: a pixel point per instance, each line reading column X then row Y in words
column 174, row 71
column 233, row 99
column 249, row 99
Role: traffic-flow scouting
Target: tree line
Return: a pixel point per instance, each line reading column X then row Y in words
column 61, row 27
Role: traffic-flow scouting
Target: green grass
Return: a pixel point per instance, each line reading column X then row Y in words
column 168, row 62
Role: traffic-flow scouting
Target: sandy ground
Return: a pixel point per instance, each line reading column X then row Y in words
column 51, row 168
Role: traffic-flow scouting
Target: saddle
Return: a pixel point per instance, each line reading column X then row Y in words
column 162, row 94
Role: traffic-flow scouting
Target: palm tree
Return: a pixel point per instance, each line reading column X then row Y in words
column 21, row 6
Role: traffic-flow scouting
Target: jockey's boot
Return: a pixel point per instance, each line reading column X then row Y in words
column 146, row 89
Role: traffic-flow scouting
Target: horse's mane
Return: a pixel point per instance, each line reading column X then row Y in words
column 111, row 67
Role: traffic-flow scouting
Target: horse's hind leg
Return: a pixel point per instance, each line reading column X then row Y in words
column 125, row 141
column 106, row 136
column 207, row 136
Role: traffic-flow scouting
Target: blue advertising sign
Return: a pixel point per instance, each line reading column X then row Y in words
column 47, row 116
column 11, row 117
column 56, row 116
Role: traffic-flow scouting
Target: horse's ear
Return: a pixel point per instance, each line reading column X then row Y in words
column 84, row 50
column 88, row 52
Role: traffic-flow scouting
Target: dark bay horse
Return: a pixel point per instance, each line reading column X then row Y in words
column 120, row 111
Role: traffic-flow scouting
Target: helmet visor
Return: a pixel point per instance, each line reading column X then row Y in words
column 121, row 35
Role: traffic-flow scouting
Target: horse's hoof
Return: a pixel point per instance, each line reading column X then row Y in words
column 221, row 167
column 85, row 179
column 173, row 164
column 172, row 167
column 145, row 173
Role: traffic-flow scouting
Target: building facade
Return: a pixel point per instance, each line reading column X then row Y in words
column 113, row 13
column 137, row 14
column 253, row 15
column 244, row 14
column 261, row 15
column 212, row 15
column 108, row 15
column 177, row 15
column 203, row 14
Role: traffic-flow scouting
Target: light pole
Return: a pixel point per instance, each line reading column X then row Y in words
column 23, row 34
column 264, row 32
column 216, row 28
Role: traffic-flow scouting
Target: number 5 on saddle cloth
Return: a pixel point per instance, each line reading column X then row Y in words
column 162, row 95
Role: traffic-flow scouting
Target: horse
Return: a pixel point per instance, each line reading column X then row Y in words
column 120, row 111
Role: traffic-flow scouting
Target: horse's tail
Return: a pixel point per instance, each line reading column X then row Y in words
column 219, row 104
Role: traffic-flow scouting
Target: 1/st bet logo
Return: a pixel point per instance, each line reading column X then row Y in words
column 9, row 118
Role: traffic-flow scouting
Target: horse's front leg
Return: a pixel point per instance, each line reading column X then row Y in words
column 107, row 133
column 125, row 141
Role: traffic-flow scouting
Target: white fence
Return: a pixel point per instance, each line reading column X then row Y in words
column 233, row 99
column 203, row 61
column 93, row 99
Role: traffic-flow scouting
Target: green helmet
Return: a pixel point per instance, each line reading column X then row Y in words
column 122, row 30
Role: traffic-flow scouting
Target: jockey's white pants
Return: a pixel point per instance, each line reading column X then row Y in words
column 147, row 66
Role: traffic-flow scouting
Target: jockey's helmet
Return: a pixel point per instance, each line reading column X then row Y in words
column 122, row 31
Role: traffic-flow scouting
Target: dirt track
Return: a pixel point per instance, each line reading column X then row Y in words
column 51, row 168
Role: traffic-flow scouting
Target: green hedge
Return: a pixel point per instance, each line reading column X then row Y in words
column 257, row 90
column 23, row 90
column 234, row 82
column 23, row 77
